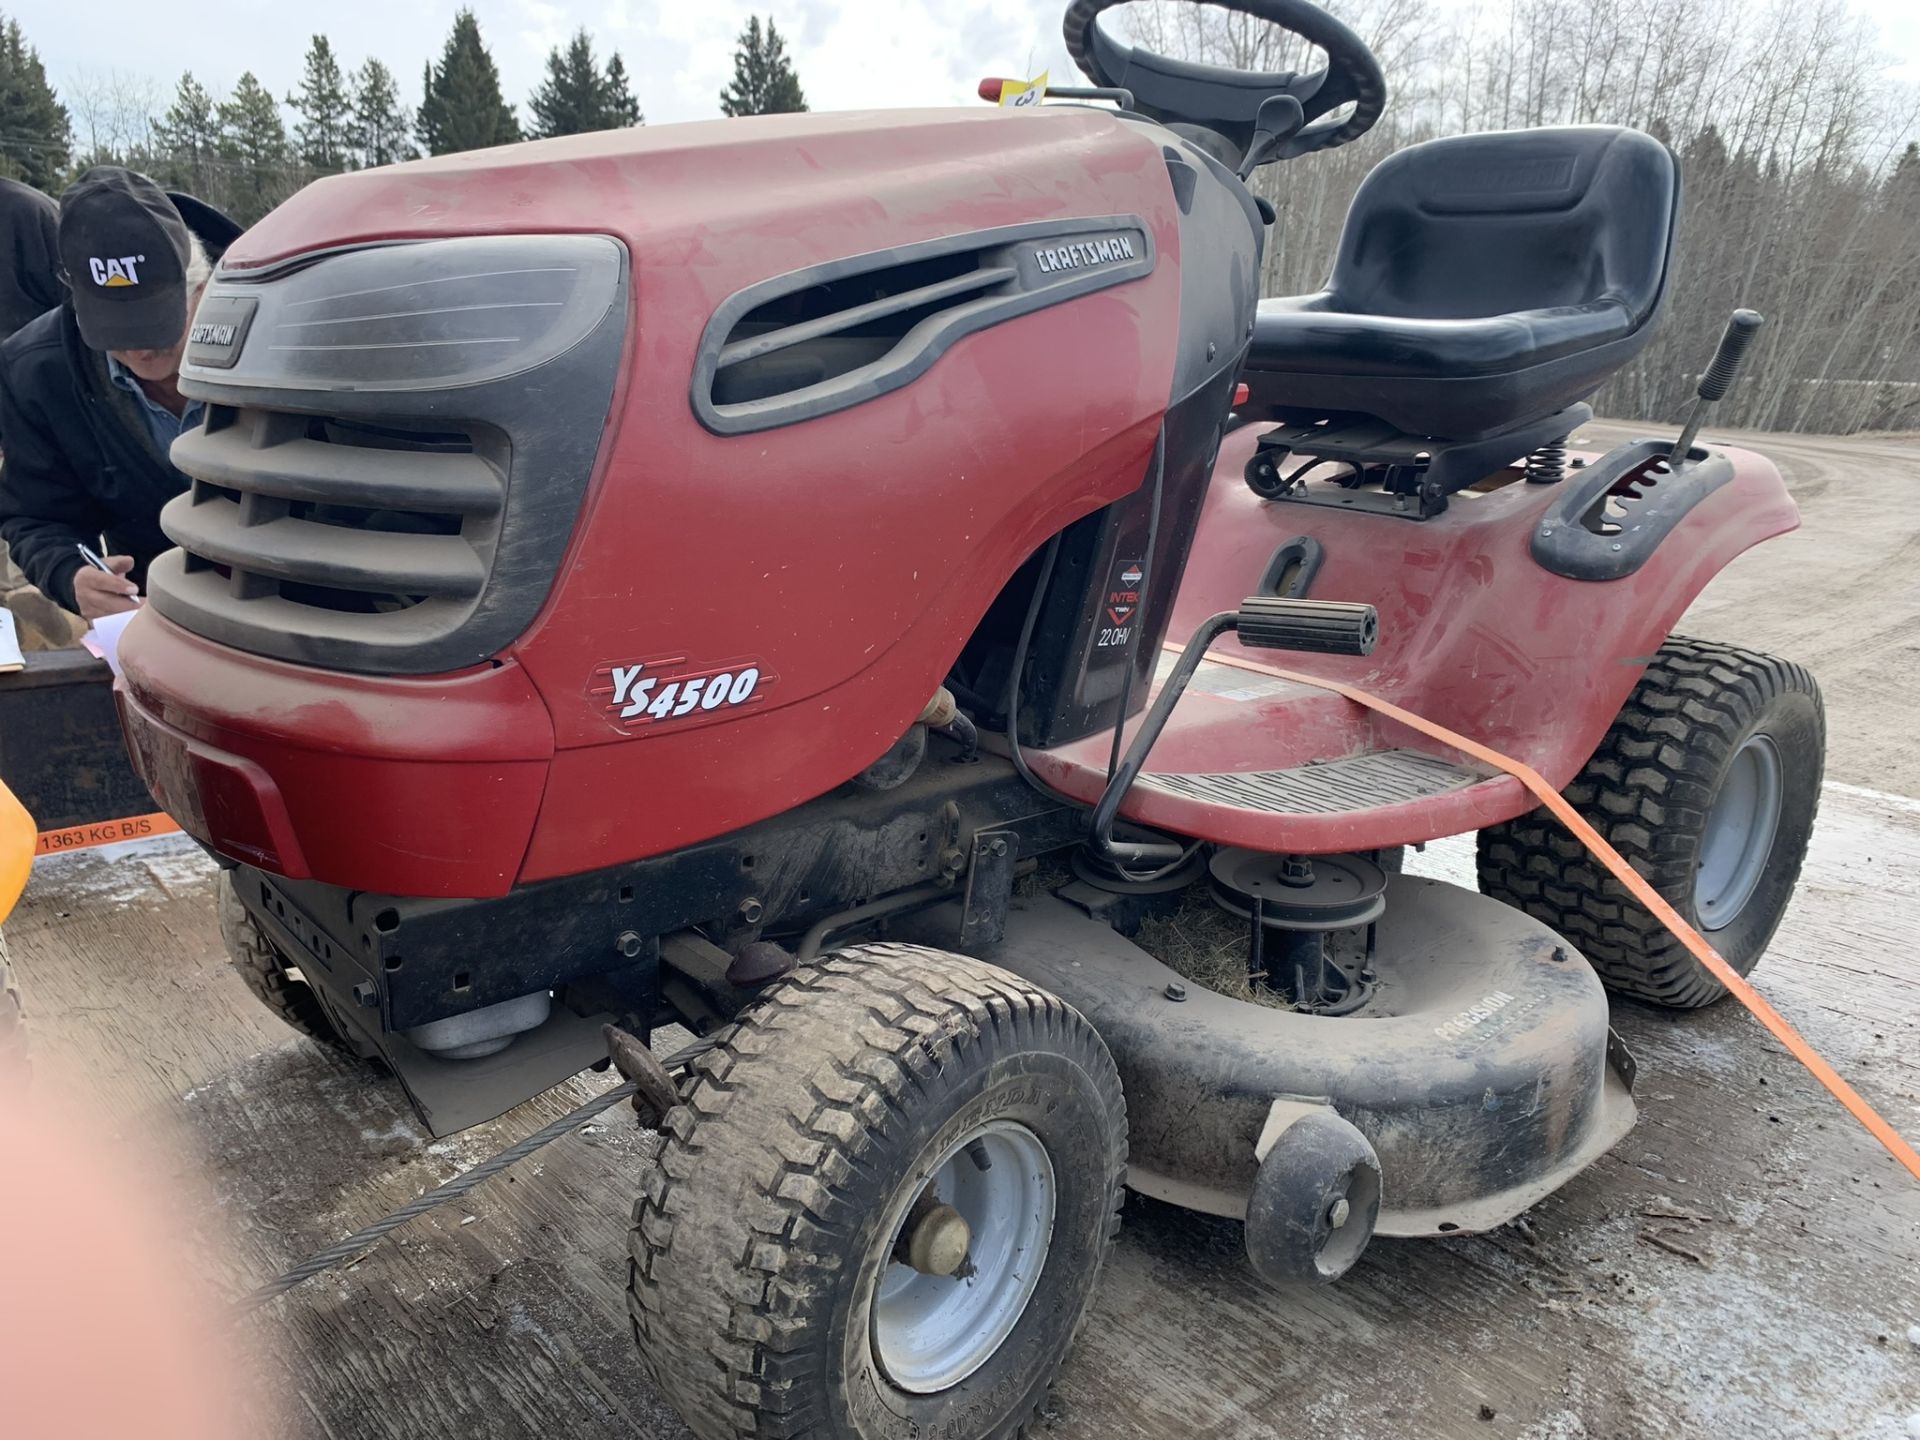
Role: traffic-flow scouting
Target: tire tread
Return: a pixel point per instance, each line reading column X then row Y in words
column 263, row 971
column 1651, row 776
column 780, row 1113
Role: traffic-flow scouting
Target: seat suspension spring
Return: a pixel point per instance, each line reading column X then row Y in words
column 1548, row 464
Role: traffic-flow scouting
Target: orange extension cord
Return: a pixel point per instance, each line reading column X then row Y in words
column 1636, row 884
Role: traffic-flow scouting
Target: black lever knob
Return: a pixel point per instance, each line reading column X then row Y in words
column 1734, row 340
column 1318, row 627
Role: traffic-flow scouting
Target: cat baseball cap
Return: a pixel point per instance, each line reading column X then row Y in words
column 125, row 250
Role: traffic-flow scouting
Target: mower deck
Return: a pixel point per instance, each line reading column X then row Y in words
column 1481, row 1067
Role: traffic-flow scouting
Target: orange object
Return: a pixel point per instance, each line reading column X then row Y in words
column 1636, row 884
column 16, row 849
column 104, row 832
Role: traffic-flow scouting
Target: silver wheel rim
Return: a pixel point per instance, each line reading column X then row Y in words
column 1739, row 833
column 930, row 1332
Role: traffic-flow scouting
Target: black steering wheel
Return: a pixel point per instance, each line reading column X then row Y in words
column 1228, row 101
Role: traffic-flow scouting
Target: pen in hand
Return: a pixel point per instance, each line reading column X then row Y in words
column 122, row 590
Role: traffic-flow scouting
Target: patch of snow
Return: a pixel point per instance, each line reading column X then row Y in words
column 123, row 874
column 1708, row 1337
column 1451, row 859
column 1560, row 1425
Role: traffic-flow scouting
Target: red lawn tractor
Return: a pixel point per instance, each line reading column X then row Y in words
column 814, row 581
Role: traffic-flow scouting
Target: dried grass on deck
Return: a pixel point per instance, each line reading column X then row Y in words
column 1208, row 946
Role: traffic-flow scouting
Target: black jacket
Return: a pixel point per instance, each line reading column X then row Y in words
column 79, row 462
column 29, row 255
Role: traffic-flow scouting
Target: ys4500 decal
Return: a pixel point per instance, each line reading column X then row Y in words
column 670, row 690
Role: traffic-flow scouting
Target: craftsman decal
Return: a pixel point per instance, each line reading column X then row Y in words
column 1085, row 253
column 671, row 690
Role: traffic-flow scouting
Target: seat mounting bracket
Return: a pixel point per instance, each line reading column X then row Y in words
column 1385, row 469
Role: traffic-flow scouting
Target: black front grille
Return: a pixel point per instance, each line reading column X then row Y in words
column 396, row 495
column 314, row 512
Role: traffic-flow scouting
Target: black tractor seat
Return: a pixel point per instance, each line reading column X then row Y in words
column 1483, row 283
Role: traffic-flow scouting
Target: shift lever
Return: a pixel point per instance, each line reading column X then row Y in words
column 1278, row 121
column 1719, row 378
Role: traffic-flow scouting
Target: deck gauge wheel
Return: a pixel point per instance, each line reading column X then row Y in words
column 1315, row 1200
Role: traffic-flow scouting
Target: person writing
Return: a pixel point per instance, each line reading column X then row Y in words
column 90, row 392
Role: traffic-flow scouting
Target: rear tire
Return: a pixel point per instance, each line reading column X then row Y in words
column 768, row 1285
column 264, row 971
column 1707, row 783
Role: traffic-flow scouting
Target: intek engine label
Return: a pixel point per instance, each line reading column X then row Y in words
column 1122, row 606
column 641, row 695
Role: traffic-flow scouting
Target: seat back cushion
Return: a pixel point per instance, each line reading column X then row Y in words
column 1482, row 225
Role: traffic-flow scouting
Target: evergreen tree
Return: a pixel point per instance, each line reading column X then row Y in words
column 253, row 143
column 577, row 96
column 36, row 134
column 378, row 130
column 461, row 108
column 763, row 78
column 573, row 97
column 186, row 139
column 622, row 109
column 1901, row 198
column 1705, row 154
column 325, row 111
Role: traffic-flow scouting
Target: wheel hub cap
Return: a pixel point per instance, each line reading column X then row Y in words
column 938, row 1244
column 1738, row 836
column 964, row 1259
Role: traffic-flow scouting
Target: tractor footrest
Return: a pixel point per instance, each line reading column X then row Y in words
column 1332, row 787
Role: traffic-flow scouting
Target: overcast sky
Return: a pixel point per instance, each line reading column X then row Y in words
column 850, row 53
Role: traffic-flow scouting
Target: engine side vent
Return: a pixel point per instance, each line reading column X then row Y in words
column 821, row 339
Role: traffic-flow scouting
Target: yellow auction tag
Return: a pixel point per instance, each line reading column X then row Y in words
column 1024, row 92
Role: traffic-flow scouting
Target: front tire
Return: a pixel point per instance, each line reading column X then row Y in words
column 264, row 971
column 1707, row 783
column 876, row 1127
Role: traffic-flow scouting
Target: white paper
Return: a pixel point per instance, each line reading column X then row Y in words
column 104, row 638
column 10, row 656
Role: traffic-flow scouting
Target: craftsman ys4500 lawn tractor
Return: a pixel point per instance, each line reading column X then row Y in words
column 865, row 588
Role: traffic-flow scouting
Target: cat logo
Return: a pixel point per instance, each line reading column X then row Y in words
column 116, row 271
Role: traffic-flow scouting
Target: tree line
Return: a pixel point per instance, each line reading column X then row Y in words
column 1800, row 174
column 1802, row 178
column 239, row 151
